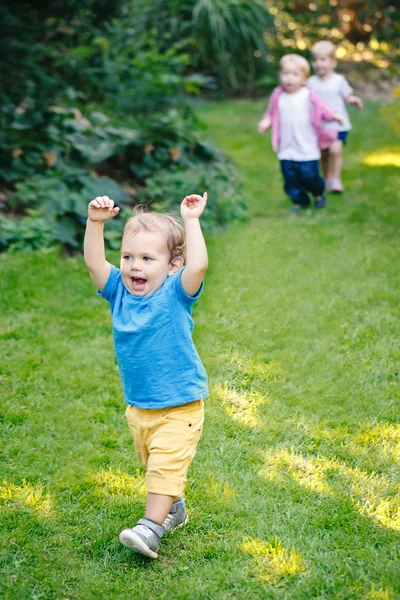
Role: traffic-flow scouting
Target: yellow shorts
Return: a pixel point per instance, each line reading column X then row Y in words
column 166, row 441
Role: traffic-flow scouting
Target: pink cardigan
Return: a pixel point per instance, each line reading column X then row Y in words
column 320, row 112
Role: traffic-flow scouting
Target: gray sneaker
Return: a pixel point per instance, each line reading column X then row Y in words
column 144, row 538
column 177, row 516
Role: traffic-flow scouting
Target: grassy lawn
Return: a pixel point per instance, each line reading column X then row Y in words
column 295, row 489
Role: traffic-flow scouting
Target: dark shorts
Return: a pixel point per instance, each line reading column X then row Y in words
column 342, row 136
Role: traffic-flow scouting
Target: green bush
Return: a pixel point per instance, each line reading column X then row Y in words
column 59, row 147
column 224, row 38
column 166, row 190
column 29, row 233
column 51, row 181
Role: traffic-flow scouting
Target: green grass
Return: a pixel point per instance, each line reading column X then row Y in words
column 294, row 492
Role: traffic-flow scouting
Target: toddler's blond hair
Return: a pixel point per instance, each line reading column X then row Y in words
column 298, row 60
column 166, row 224
column 324, row 47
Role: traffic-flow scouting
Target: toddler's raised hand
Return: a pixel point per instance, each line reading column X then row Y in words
column 192, row 206
column 102, row 209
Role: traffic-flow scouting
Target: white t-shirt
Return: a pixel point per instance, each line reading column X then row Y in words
column 333, row 91
column 297, row 135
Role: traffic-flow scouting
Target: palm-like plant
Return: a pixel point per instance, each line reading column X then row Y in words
column 225, row 38
column 229, row 35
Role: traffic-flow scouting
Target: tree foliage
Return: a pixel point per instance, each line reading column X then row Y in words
column 99, row 108
column 367, row 31
column 95, row 96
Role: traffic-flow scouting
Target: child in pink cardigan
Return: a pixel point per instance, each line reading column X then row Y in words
column 295, row 115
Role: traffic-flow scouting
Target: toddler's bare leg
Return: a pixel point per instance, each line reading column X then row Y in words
column 335, row 160
column 325, row 163
column 158, row 506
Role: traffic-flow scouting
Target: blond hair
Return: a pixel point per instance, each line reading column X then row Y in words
column 164, row 223
column 298, row 60
column 324, row 47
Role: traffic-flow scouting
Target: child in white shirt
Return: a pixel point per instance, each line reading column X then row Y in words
column 335, row 90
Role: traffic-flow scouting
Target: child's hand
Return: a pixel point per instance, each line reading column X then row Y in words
column 102, row 209
column 339, row 118
column 355, row 101
column 193, row 206
column 264, row 125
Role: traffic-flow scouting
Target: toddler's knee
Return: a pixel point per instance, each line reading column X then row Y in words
column 336, row 149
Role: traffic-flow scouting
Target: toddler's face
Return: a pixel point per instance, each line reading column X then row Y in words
column 323, row 64
column 291, row 77
column 146, row 262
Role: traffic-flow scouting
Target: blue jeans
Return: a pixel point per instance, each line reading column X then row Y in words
column 301, row 177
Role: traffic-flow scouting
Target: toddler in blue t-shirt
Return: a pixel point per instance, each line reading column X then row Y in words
column 335, row 90
column 151, row 298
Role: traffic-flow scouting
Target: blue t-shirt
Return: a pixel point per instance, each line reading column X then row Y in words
column 158, row 362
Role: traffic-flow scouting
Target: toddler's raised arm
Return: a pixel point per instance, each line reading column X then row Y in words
column 192, row 208
column 100, row 210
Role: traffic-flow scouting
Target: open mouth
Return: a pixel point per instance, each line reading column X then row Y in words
column 138, row 283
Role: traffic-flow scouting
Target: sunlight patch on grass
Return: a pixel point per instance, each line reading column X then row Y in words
column 380, row 594
column 27, row 496
column 255, row 369
column 382, row 159
column 119, row 484
column 219, row 494
column 307, row 473
column 384, row 438
column 374, row 496
column 242, row 407
column 379, row 441
column 273, row 562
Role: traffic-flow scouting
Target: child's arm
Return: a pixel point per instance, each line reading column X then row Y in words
column 337, row 117
column 264, row 124
column 192, row 208
column 355, row 101
column 100, row 210
column 266, row 120
column 347, row 93
column 327, row 114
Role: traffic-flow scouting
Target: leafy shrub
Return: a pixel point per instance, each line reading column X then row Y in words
column 58, row 150
column 230, row 36
column 166, row 190
column 224, row 38
column 52, row 180
column 29, row 233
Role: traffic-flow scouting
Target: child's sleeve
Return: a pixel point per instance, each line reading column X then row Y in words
column 180, row 293
column 271, row 103
column 345, row 88
column 111, row 287
column 326, row 113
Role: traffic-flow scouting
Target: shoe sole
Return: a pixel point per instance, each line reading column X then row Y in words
column 135, row 543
